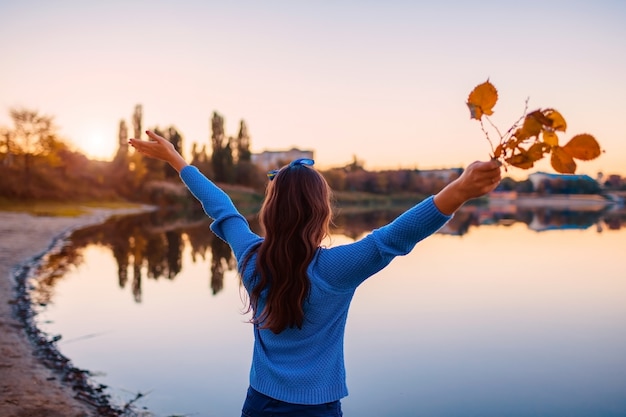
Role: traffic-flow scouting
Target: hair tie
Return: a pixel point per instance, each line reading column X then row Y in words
column 296, row 162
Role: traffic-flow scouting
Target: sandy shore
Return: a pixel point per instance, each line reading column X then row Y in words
column 28, row 388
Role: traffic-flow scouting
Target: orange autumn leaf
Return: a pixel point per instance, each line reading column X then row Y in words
column 536, row 151
column 557, row 120
column 521, row 160
column 532, row 137
column 533, row 123
column 482, row 99
column 583, row 147
column 561, row 161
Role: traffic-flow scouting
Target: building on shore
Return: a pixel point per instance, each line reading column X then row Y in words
column 542, row 179
column 267, row 160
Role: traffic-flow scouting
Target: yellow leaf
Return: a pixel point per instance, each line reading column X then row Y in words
column 482, row 99
column 557, row 121
column 561, row 161
column 550, row 138
column 583, row 147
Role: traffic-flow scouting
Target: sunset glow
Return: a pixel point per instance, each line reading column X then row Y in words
column 386, row 82
column 98, row 146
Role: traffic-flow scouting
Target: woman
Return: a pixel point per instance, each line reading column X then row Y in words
column 299, row 291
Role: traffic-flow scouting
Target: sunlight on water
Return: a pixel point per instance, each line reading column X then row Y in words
column 498, row 320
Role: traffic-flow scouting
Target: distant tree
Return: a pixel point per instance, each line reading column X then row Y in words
column 358, row 180
column 336, row 178
column 229, row 161
column 122, row 142
column 128, row 169
column 158, row 170
column 246, row 172
column 7, row 148
column 507, row 184
column 397, row 181
column 217, row 142
column 155, row 169
column 525, row 186
column 200, row 159
column 32, row 136
column 243, row 143
column 175, row 139
column 137, row 120
column 222, row 155
column 380, row 182
column 355, row 165
column 415, row 182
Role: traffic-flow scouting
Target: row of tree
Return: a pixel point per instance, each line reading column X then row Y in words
column 36, row 163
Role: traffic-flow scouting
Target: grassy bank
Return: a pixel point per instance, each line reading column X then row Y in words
column 246, row 200
column 62, row 209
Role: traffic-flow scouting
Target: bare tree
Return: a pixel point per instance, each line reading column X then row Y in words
column 32, row 135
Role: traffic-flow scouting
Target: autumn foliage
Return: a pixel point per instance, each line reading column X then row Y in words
column 533, row 136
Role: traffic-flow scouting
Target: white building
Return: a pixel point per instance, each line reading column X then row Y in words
column 539, row 177
column 267, row 160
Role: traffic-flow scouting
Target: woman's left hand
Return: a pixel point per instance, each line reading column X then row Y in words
column 159, row 148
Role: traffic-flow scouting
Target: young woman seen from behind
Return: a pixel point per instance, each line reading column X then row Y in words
column 299, row 291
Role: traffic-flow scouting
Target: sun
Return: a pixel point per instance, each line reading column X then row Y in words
column 97, row 144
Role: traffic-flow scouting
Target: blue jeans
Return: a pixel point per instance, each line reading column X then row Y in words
column 260, row 405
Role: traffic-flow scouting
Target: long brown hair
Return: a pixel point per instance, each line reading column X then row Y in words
column 296, row 216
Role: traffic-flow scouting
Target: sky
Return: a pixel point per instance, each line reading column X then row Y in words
column 383, row 81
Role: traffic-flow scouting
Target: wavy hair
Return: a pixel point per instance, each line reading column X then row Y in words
column 296, row 216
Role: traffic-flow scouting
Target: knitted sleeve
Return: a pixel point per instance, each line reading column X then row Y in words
column 346, row 266
column 229, row 225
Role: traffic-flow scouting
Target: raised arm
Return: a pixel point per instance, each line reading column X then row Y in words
column 361, row 259
column 228, row 223
column 159, row 148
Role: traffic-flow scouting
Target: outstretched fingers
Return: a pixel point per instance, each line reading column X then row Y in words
column 159, row 148
column 154, row 136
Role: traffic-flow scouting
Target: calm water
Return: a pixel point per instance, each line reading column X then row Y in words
column 500, row 314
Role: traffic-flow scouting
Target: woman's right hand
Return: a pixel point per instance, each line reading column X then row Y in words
column 478, row 179
column 159, row 148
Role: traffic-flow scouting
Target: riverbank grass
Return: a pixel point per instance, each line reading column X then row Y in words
column 62, row 209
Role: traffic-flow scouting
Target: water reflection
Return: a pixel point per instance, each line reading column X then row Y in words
column 538, row 219
column 516, row 321
column 149, row 246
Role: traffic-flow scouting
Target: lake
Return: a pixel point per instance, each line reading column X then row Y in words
column 504, row 312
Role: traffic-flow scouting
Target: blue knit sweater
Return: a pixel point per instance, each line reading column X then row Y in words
column 306, row 366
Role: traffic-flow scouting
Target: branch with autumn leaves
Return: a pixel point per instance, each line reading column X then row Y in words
column 532, row 137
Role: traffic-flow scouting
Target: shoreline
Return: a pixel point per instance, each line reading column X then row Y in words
column 35, row 380
column 578, row 202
